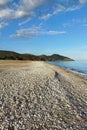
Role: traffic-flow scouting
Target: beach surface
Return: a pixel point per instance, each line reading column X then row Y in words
column 37, row 96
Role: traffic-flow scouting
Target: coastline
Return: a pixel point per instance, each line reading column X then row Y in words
column 82, row 75
column 39, row 96
column 71, row 67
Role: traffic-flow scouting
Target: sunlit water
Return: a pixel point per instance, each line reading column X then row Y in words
column 78, row 66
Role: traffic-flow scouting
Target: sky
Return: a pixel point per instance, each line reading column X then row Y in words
column 44, row 27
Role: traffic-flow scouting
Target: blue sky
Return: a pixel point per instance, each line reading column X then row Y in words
column 44, row 27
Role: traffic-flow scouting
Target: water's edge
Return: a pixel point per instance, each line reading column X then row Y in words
column 76, row 67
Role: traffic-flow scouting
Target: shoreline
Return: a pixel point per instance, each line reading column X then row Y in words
column 39, row 96
column 71, row 69
column 83, row 75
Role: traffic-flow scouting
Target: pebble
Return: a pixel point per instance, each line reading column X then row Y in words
column 0, row 102
column 34, row 99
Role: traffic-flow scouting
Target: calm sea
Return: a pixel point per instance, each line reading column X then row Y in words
column 78, row 66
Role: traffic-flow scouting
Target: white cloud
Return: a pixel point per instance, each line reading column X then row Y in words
column 20, row 14
column 83, row 1
column 28, row 32
column 30, row 5
column 6, row 13
column 3, row 24
column 53, row 32
column 58, row 8
column 4, row 2
column 72, row 8
column 25, row 9
column 24, row 22
column 76, row 22
column 46, row 16
column 28, row 9
column 34, row 31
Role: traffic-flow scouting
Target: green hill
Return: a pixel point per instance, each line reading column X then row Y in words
column 10, row 55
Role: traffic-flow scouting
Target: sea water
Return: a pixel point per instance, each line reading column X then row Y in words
column 78, row 66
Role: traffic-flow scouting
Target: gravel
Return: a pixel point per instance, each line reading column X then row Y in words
column 39, row 96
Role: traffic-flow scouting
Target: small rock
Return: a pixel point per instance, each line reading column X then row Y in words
column 12, row 117
column 0, row 102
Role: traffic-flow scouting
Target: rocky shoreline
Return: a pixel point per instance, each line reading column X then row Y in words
column 39, row 96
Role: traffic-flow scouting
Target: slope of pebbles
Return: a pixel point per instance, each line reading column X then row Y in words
column 42, row 97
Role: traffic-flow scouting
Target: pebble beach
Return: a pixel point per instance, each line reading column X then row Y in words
column 37, row 96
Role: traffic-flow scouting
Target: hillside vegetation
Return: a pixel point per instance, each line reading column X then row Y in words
column 9, row 55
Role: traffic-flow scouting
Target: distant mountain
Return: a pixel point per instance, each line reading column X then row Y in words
column 10, row 55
